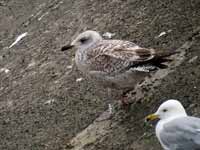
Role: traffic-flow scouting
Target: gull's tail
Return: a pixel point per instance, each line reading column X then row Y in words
column 162, row 57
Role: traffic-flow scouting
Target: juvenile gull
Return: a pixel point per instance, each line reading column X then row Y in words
column 115, row 64
column 176, row 130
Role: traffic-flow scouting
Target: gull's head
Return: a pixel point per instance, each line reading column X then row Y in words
column 84, row 40
column 168, row 110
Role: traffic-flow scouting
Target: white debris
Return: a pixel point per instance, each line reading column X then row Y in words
column 37, row 14
column 170, row 30
column 56, row 6
column 108, row 35
column 193, row 59
column 56, row 81
column 139, row 22
column 161, row 34
column 31, row 64
column 110, row 109
column 69, row 67
column 50, row 101
column 18, row 39
column 4, row 70
column 40, row 18
column 79, row 79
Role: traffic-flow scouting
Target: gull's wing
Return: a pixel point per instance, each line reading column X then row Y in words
column 115, row 56
column 182, row 134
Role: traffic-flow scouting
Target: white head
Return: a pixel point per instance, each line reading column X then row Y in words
column 84, row 40
column 168, row 110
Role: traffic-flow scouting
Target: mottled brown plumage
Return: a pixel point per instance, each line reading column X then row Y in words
column 115, row 63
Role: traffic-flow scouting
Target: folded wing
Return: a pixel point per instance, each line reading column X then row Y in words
column 118, row 56
column 182, row 134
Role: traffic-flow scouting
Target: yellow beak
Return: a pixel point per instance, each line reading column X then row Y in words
column 151, row 117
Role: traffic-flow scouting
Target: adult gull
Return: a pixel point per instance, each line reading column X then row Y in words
column 175, row 129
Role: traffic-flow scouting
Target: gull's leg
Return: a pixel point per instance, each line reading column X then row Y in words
column 124, row 98
column 107, row 114
column 110, row 107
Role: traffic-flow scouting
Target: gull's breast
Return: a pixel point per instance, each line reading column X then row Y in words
column 81, row 60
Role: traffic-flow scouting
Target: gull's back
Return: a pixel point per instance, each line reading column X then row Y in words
column 112, row 62
column 182, row 134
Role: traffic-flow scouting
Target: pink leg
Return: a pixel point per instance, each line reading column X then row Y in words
column 124, row 100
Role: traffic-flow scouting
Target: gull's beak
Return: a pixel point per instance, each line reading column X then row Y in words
column 66, row 47
column 151, row 117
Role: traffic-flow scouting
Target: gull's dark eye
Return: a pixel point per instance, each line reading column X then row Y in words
column 164, row 110
column 83, row 40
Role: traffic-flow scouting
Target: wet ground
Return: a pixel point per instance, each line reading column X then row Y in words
column 41, row 107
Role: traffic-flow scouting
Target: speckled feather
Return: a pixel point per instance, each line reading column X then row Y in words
column 115, row 56
column 115, row 63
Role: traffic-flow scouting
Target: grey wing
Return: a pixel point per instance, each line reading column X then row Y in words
column 116, row 56
column 182, row 134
